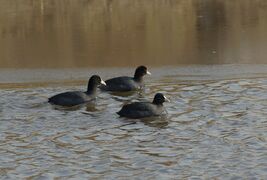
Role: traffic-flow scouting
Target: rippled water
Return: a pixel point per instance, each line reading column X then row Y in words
column 214, row 128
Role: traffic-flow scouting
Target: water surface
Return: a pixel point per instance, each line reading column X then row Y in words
column 86, row 33
column 216, row 122
column 215, row 128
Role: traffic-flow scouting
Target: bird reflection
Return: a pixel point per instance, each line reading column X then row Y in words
column 91, row 107
column 156, row 121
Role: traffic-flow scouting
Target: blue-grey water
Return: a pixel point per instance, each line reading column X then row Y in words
column 215, row 128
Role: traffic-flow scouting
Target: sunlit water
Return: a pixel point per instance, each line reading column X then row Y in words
column 216, row 127
column 86, row 33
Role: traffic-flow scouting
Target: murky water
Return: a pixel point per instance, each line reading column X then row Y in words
column 216, row 127
column 86, row 33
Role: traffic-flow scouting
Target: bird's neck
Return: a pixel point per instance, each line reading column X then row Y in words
column 91, row 89
column 157, row 103
column 138, row 78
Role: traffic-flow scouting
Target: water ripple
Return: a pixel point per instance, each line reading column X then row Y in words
column 212, row 129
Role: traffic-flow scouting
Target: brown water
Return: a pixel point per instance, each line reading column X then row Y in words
column 216, row 125
column 85, row 33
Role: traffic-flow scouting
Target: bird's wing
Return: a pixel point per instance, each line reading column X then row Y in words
column 123, row 83
column 68, row 98
column 136, row 110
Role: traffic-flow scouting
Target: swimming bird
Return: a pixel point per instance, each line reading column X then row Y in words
column 144, row 109
column 73, row 98
column 126, row 83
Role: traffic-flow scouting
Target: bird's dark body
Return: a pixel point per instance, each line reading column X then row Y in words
column 123, row 83
column 71, row 98
column 140, row 110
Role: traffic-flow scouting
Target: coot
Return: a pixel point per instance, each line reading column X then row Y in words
column 73, row 98
column 125, row 83
column 144, row 109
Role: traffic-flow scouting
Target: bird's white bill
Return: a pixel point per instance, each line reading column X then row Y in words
column 166, row 99
column 103, row 82
column 147, row 72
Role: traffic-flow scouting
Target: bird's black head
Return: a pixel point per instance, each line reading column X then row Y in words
column 159, row 99
column 94, row 82
column 140, row 72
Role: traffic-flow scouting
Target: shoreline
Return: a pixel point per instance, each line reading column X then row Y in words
column 43, row 77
